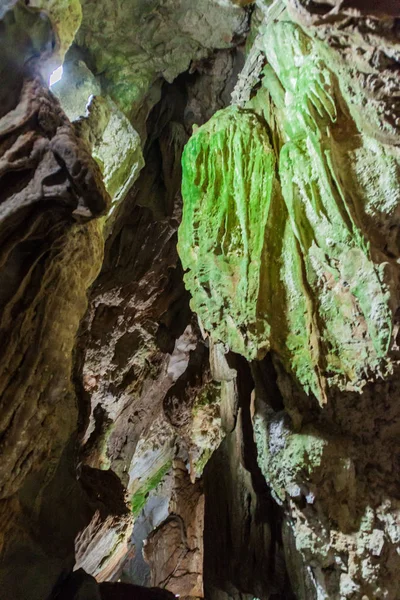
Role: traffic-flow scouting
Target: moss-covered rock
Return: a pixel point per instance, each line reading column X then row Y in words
column 276, row 253
column 132, row 44
column 206, row 432
column 228, row 181
column 139, row 498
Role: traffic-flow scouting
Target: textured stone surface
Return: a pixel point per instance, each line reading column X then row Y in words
column 137, row 298
column 242, row 546
column 325, row 475
column 192, row 407
column 76, row 86
column 327, row 280
column 131, row 45
column 138, row 338
column 107, row 535
column 51, row 251
column 115, row 144
column 228, row 167
column 291, row 239
column 363, row 50
column 333, row 10
column 302, row 280
column 50, row 163
column 174, row 549
column 66, row 17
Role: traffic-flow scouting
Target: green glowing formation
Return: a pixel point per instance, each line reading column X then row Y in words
column 228, row 178
column 139, row 498
column 274, row 248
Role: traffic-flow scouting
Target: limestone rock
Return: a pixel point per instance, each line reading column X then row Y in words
column 102, row 546
column 308, row 248
column 65, row 17
column 174, row 549
column 54, row 166
column 329, row 241
column 241, row 522
column 361, row 44
column 51, row 250
column 192, row 407
column 167, row 37
column 148, row 431
column 228, row 180
column 116, row 146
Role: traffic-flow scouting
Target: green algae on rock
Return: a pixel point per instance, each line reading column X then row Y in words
column 132, row 44
column 228, row 180
column 352, row 320
column 139, row 498
column 206, row 432
column 276, row 256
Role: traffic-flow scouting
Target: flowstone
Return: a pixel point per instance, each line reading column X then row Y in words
column 228, row 181
column 274, row 248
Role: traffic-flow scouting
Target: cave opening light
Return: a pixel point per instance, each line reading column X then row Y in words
column 56, row 75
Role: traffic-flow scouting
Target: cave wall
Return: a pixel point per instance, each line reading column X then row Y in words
column 289, row 242
column 67, row 436
column 199, row 292
column 51, row 251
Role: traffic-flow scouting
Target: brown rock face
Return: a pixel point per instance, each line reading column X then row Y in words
column 50, row 183
column 174, row 550
column 109, row 528
column 50, row 252
column 138, row 335
column 330, row 9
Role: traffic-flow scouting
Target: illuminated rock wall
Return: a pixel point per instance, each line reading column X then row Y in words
column 288, row 239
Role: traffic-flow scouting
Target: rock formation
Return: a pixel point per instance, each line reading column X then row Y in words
column 199, row 292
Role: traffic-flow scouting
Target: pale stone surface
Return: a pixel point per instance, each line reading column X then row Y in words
column 167, row 37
